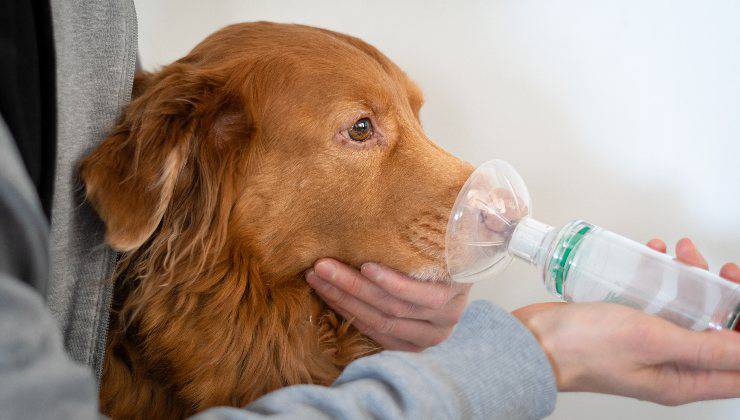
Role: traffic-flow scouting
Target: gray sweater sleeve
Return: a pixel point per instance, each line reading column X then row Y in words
column 37, row 378
column 491, row 367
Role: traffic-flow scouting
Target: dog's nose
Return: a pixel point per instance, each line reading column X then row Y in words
column 486, row 212
column 500, row 209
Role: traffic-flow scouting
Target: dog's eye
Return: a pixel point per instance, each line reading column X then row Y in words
column 361, row 130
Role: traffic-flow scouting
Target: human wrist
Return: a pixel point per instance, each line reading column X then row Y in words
column 540, row 320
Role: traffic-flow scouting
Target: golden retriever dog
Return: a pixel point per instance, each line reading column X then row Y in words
column 228, row 175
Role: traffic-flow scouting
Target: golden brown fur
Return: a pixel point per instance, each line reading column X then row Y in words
column 227, row 176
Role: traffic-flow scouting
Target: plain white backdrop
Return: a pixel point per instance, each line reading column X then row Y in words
column 623, row 113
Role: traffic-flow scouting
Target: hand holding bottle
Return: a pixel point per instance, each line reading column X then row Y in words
column 614, row 349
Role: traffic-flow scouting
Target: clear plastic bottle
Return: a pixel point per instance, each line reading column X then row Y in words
column 581, row 262
column 491, row 223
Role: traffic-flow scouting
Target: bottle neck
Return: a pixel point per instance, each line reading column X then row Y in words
column 531, row 240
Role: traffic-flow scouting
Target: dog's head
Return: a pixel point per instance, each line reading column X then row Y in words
column 284, row 142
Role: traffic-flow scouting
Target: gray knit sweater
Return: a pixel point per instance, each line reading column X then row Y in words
column 52, row 346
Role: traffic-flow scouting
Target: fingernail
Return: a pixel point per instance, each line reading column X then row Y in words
column 370, row 270
column 326, row 269
column 311, row 276
column 315, row 281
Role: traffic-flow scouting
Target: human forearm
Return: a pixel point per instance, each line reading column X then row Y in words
column 491, row 367
column 37, row 378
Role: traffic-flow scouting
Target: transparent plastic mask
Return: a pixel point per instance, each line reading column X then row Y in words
column 489, row 206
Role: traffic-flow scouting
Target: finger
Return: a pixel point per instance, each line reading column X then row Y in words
column 683, row 385
column 686, row 252
column 731, row 272
column 712, row 385
column 712, row 350
column 427, row 294
column 355, row 284
column 526, row 312
column 451, row 314
column 388, row 342
column 420, row 333
column 658, row 245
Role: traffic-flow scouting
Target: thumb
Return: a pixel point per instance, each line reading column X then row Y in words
column 528, row 311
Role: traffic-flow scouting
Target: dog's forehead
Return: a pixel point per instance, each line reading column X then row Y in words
column 322, row 52
column 309, row 64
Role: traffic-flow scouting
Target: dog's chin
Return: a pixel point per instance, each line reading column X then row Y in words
column 436, row 273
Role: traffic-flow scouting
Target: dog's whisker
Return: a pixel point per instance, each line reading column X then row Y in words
column 485, row 243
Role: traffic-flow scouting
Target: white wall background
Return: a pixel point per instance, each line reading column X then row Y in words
column 624, row 113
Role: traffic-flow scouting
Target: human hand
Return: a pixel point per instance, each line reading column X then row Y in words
column 398, row 312
column 614, row 349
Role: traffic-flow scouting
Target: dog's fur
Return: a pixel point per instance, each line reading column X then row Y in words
column 227, row 176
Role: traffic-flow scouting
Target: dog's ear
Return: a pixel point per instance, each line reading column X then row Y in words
column 130, row 177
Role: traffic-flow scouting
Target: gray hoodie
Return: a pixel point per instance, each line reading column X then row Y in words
column 52, row 338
